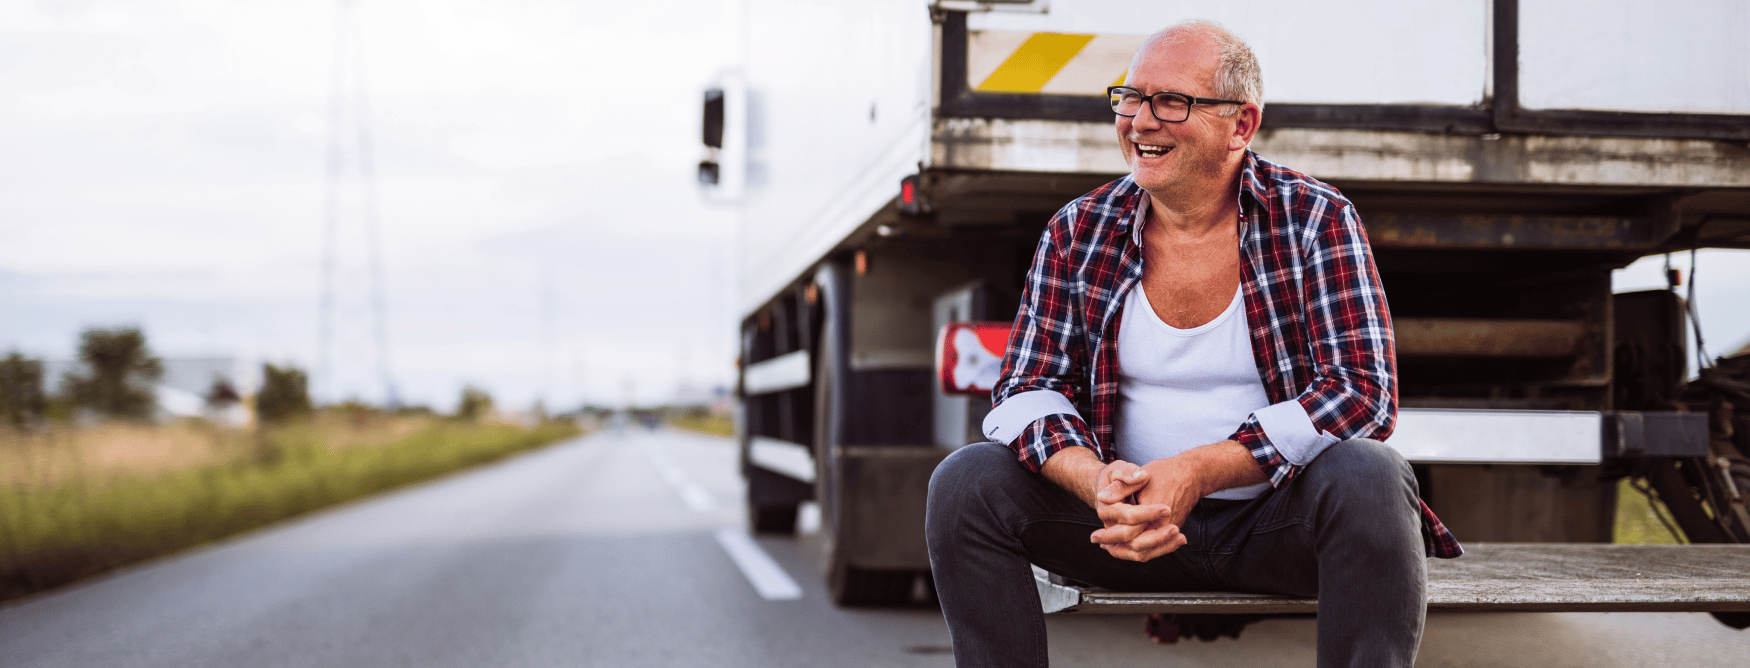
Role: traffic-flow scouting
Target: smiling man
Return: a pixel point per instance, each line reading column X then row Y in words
column 1194, row 392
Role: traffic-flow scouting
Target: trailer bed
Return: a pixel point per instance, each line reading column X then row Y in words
column 1492, row 577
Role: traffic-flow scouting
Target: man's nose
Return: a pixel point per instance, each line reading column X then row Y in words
column 1145, row 116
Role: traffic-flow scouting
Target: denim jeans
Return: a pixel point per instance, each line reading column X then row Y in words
column 1347, row 529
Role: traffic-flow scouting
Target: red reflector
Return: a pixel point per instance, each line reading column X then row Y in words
column 969, row 356
column 907, row 191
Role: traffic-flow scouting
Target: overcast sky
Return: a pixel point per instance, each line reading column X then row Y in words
column 162, row 165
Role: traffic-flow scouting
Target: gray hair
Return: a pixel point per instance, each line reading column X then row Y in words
column 1237, row 75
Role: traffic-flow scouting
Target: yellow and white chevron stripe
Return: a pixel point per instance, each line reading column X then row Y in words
column 1002, row 61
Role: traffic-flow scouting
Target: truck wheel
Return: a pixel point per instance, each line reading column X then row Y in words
column 777, row 520
column 850, row 585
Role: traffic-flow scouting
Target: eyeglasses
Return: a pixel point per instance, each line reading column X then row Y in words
column 1168, row 107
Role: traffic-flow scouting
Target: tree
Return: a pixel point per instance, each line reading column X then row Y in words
column 119, row 372
column 475, row 404
column 284, row 395
column 21, row 390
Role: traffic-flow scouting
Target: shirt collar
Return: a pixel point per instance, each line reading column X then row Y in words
column 1250, row 182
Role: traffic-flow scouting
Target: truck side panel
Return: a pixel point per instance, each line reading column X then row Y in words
column 1623, row 55
column 838, row 113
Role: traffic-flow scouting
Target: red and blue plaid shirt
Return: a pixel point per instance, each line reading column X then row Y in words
column 1320, row 328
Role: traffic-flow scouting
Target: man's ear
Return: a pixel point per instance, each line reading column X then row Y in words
column 1245, row 126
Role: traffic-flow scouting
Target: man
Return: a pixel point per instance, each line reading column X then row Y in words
column 1199, row 368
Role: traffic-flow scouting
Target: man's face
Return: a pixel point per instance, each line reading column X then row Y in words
column 1169, row 159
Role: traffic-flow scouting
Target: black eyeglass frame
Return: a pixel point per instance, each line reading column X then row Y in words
column 1153, row 109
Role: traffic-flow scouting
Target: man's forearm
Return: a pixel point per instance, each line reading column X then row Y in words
column 1212, row 468
column 1074, row 469
column 1205, row 469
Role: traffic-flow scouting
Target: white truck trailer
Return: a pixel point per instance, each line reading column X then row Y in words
column 896, row 160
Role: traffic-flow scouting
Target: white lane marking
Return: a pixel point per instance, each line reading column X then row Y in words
column 695, row 496
column 767, row 577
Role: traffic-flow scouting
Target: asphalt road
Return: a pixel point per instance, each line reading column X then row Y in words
column 606, row 551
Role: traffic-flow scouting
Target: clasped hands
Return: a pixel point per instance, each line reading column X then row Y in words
column 1142, row 508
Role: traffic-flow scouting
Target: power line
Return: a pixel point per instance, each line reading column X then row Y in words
column 353, row 297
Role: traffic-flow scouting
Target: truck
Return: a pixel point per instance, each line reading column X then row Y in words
column 894, row 162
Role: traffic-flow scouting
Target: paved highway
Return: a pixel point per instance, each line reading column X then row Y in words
column 628, row 549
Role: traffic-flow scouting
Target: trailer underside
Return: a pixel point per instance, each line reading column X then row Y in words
column 1492, row 577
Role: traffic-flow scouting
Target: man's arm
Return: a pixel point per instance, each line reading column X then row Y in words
column 1045, row 364
column 1352, row 391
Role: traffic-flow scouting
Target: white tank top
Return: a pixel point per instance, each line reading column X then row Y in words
column 1183, row 388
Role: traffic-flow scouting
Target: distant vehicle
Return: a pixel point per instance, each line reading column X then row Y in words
column 896, row 161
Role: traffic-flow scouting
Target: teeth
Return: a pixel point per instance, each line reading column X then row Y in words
column 1151, row 150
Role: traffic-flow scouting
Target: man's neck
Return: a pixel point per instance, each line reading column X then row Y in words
column 1195, row 209
column 1195, row 214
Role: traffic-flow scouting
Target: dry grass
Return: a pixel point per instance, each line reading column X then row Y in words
column 75, row 503
column 716, row 425
column 49, row 457
column 120, row 449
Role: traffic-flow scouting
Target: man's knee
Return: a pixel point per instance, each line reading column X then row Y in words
column 1365, row 470
column 964, row 481
column 965, row 472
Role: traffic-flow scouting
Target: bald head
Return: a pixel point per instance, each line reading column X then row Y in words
column 1233, row 70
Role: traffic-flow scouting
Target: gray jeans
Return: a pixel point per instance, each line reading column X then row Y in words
column 1346, row 529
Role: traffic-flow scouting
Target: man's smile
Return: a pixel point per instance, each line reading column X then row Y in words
column 1151, row 150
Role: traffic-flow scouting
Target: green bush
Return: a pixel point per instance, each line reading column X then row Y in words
column 119, row 371
column 474, row 404
column 21, row 391
column 284, row 395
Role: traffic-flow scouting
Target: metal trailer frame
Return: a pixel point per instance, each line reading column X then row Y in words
column 1494, row 188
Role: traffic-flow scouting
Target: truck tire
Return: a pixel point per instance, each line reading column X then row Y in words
column 774, row 520
column 848, row 585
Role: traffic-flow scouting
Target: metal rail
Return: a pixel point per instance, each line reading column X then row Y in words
column 1493, row 577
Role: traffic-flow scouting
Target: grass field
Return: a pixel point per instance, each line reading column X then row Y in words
column 1635, row 519
column 78, row 502
column 705, row 423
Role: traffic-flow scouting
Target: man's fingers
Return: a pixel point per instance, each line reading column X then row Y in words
column 1130, row 551
column 1141, row 538
column 1118, row 534
column 1118, row 480
column 1120, row 486
column 1124, row 513
column 1158, row 536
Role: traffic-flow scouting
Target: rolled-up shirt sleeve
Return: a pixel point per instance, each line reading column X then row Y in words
column 1010, row 419
column 1353, row 390
column 1036, row 399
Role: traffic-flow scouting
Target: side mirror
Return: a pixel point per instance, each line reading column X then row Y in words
column 723, row 132
column 709, row 169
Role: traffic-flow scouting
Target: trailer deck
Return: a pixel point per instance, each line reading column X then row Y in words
column 1492, row 577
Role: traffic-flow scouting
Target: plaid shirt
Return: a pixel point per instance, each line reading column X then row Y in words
column 1319, row 324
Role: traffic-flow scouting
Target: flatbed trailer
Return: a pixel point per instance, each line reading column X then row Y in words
column 1490, row 577
column 894, row 162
